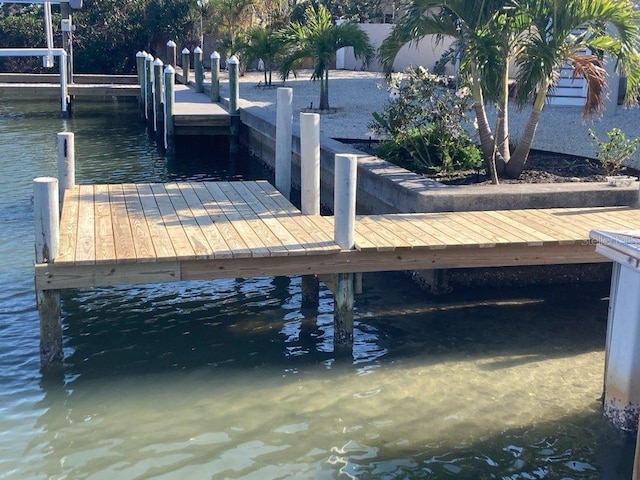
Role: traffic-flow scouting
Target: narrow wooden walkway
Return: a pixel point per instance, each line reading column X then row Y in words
column 145, row 233
column 195, row 114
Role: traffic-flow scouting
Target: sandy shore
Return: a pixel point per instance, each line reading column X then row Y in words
column 358, row 94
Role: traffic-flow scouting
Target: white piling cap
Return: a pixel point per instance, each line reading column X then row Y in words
column 233, row 60
column 141, row 54
column 158, row 63
column 144, row 53
column 185, row 50
column 197, row 50
column 171, row 43
column 169, row 69
column 149, row 57
column 215, row 55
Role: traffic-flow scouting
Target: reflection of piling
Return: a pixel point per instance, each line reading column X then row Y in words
column 234, row 140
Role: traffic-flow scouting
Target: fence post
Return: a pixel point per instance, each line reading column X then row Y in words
column 47, row 231
column 169, row 101
column 234, row 142
column 198, row 69
column 172, row 53
column 284, row 126
column 185, row 65
column 66, row 163
column 215, row 77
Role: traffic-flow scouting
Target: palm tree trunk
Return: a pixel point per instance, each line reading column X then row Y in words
column 521, row 153
column 502, row 126
column 324, row 91
column 487, row 142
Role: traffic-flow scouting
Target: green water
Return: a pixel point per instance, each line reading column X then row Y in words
column 231, row 379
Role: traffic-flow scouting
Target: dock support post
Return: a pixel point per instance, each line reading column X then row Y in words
column 169, row 101
column 65, row 100
column 66, row 163
column 185, row 65
column 198, row 69
column 284, row 126
column 215, row 77
column 344, row 205
column 234, row 98
column 172, row 53
column 47, row 230
column 149, row 88
column 140, row 58
column 158, row 93
column 310, row 191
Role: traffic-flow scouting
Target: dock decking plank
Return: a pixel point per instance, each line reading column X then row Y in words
column 157, row 230
column 181, row 244
column 68, row 226
column 105, row 243
column 142, row 241
column 86, row 239
column 122, row 230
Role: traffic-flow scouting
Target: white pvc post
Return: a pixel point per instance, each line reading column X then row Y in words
column 344, row 201
column 64, row 94
column 215, row 77
column 284, row 127
column 47, row 231
column 169, row 101
column 66, row 163
column 185, row 65
column 172, row 55
column 199, row 69
column 158, row 93
column 310, row 163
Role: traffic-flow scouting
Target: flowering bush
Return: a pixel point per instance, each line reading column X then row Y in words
column 422, row 126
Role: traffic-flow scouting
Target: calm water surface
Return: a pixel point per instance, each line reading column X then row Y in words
column 231, row 379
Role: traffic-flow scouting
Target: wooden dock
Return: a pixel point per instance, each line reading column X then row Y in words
column 146, row 233
column 47, row 85
column 195, row 114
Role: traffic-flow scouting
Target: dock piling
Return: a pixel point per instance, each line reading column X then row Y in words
column 172, row 54
column 185, row 65
column 198, row 69
column 234, row 98
column 284, row 126
column 149, row 88
column 66, row 163
column 169, row 101
column 310, row 191
column 158, row 93
column 215, row 77
column 47, row 234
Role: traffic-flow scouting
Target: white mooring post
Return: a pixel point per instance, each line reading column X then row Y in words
column 310, row 191
column 149, row 88
column 185, row 65
column 169, row 101
column 215, row 77
column 66, row 163
column 344, row 205
column 198, row 69
column 140, row 57
column 284, row 126
column 47, row 230
column 234, row 99
column 158, row 92
column 172, row 53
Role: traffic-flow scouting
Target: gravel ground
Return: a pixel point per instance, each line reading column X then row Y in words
column 358, row 94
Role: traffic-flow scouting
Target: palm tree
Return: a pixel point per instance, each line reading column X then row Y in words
column 559, row 31
column 318, row 38
column 262, row 43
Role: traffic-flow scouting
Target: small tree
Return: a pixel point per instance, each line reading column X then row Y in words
column 262, row 43
column 614, row 152
column 318, row 38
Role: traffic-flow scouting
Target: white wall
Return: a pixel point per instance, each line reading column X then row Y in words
column 426, row 53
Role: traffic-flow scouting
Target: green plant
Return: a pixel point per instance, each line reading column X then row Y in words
column 615, row 151
column 423, row 124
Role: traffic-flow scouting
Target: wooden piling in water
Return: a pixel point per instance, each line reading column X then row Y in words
column 158, row 92
column 140, row 59
column 149, row 88
column 284, row 126
column 172, row 53
column 234, row 98
column 169, row 102
column 310, row 191
column 47, row 234
column 215, row 77
column 198, row 69
column 185, row 65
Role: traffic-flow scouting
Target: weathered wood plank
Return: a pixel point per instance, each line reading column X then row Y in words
column 85, row 243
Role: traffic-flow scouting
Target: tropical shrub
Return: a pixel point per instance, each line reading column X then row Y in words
column 424, row 125
column 614, row 152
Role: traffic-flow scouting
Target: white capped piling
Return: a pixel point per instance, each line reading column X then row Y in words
column 172, row 53
column 169, row 102
column 158, row 92
column 149, row 88
column 215, row 77
column 234, row 98
column 198, row 69
column 344, row 201
column 185, row 65
column 140, row 57
column 310, row 163
column 344, row 205
column 47, row 234
column 66, row 163
column 64, row 90
column 310, row 191
column 284, row 126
